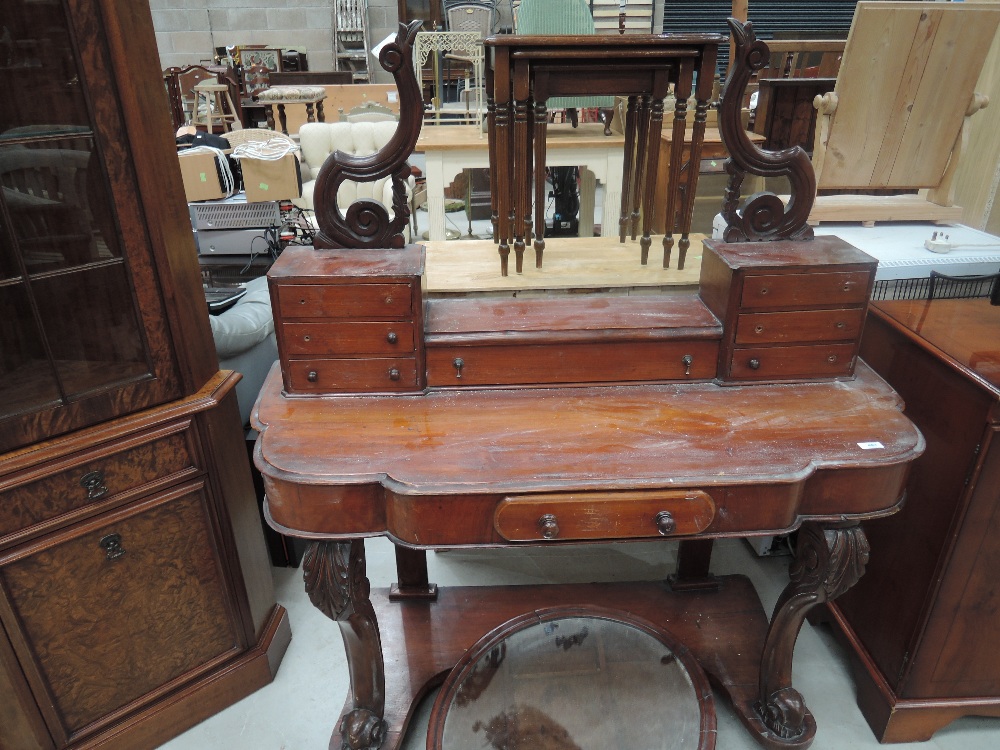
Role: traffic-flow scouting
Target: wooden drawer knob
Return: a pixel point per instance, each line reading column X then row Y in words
column 393, row 374
column 754, row 364
column 313, row 376
column 665, row 522
column 392, row 338
column 549, row 526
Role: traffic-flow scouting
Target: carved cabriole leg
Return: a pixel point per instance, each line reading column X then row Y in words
column 828, row 561
column 334, row 574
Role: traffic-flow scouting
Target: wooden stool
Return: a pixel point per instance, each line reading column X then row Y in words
column 213, row 96
column 310, row 96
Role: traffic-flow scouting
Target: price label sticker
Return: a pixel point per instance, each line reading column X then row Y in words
column 263, row 186
column 870, row 446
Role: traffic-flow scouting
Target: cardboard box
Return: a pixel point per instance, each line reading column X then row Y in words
column 201, row 177
column 271, row 180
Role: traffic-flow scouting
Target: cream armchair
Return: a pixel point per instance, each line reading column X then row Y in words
column 319, row 139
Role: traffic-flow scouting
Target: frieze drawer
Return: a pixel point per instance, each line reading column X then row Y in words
column 355, row 301
column 611, row 515
column 805, row 289
column 94, row 478
column 351, row 375
column 780, row 362
column 799, row 326
column 377, row 338
column 572, row 363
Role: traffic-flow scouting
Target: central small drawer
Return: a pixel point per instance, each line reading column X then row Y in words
column 380, row 338
column 805, row 289
column 356, row 301
column 603, row 515
column 800, row 325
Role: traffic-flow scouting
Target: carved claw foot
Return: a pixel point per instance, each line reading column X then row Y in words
column 783, row 713
column 828, row 561
column 361, row 730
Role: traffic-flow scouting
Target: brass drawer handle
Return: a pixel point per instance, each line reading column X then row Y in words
column 549, row 526
column 754, row 364
column 687, row 360
column 393, row 374
column 313, row 376
column 112, row 545
column 459, row 364
column 665, row 522
column 93, row 482
column 392, row 338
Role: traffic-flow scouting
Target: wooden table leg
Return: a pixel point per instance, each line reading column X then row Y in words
column 269, row 113
column 310, row 112
column 703, row 93
column 652, row 158
column 320, row 115
column 282, row 118
column 491, row 122
column 828, row 561
column 641, row 138
column 411, row 572
column 336, row 583
column 522, row 159
column 541, row 123
column 629, row 165
column 682, row 90
column 694, row 558
column 502, row 133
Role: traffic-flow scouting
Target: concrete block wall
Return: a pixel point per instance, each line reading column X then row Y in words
column 188, row 31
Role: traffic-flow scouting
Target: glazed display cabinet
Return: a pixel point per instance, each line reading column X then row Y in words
column 135, row 594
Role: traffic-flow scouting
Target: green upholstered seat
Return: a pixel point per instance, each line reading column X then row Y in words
column 560, row 17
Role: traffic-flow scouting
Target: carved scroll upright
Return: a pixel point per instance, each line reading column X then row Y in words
column 764, row 217
column 367, row 223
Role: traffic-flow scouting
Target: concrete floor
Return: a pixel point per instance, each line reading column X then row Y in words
column 299, row 710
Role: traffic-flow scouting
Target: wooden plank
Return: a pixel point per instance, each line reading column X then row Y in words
column 938, row 110
column 871, row 208
column 857, row 127
column 570, row 263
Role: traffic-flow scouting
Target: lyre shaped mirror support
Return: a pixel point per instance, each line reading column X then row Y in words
column 764, row 217
column 366, row 223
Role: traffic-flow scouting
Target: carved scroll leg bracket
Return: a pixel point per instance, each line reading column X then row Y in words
column 828, row 561
column 336, row 583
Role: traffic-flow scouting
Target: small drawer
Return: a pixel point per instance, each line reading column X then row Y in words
column 805, row 289
column 799, row 326
column 356, row 301
column 94, row 478
column 351, row 375
column 781, row 362
column 385, row 339
column 604, row 515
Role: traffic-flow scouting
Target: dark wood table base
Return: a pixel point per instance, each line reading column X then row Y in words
column 725, row 629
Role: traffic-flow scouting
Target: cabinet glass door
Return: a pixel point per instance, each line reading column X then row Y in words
column 71, row 329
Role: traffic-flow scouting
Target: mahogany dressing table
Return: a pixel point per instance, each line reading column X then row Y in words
column 570, row 419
